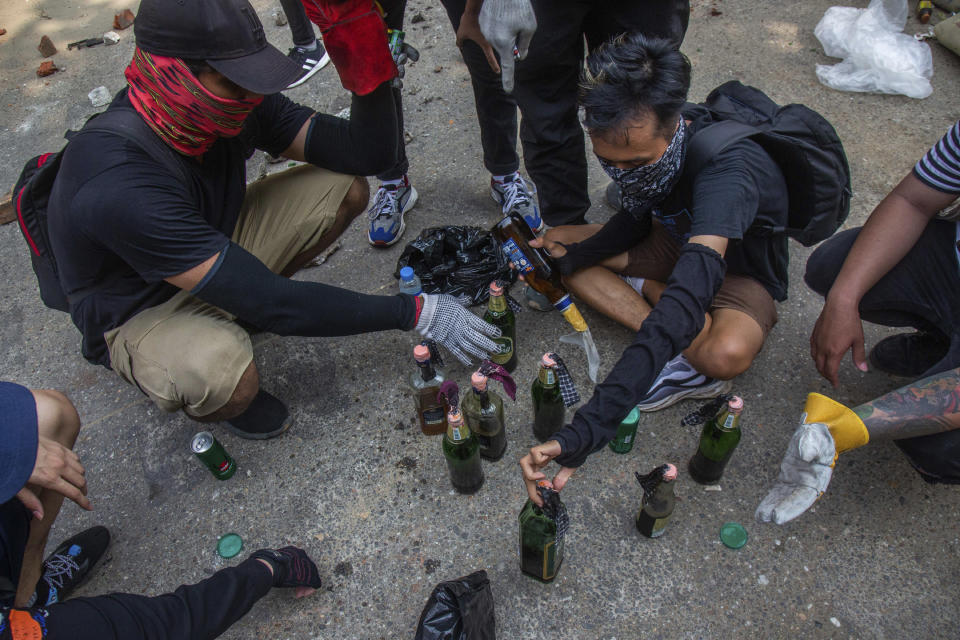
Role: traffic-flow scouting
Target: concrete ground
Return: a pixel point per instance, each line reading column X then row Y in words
column 357, row 485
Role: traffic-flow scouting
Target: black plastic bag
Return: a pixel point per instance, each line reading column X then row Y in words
column 460, row 261
column 460, row 609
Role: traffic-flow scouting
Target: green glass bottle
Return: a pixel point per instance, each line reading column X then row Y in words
column 658, row 500
column 500, row 315
column 462, row 451
column 718, row 439
column 483, row 413
column 424, row 386
column 626, row 433
column 548, row 410
column 542, row 531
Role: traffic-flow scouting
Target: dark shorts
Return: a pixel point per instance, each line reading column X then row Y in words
column 655, row 257
column 922, row 291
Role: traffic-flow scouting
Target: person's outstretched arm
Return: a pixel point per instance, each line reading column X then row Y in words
column 828, row 428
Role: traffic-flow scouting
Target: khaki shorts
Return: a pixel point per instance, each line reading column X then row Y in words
column 655, row 257
column 188, row 354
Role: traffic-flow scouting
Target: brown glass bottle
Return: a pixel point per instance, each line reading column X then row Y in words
column 425, row 384
column 537, row 268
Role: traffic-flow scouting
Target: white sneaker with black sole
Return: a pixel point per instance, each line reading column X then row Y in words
column 679, row 380
column 310, row 61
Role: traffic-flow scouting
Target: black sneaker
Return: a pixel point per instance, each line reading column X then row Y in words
column 909, row 354
column 70, row 564
column 266, row 417
column 310, row 62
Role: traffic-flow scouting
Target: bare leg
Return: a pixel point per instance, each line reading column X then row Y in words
column 57, row 420
column 353, row 204
column 727, row 345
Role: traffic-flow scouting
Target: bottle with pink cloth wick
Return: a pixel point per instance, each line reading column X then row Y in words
column 658, row 500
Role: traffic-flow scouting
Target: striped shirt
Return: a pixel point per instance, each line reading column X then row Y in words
column 940, row 168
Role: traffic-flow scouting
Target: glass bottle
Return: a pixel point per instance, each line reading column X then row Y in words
column 626, row 433
column 483, row 413
column 658, row 500
column 548, row 410
column 500, row 315
column 409, row 282
column 425, row 384
column 719, row 438
column 462, row 451
column 536, row 266
column 542, row 531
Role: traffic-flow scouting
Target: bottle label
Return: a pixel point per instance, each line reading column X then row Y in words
column 627, row 439
column 516, row 256
column 548, row 376
column 456, row 434
column 504, row 350
column 434, row 416
column 729, row 422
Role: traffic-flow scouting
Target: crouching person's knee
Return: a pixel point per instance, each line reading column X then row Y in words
column 57, row 418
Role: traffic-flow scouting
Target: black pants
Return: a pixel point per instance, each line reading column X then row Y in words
column 394, row 10
column 545, row 90
column 922, row 291
column 195, row 612
column 300, row 28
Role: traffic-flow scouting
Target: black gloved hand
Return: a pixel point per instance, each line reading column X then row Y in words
column 292, row 567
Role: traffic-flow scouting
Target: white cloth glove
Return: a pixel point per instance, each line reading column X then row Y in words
column 508, row 24
column 444, row 320
column 804, row 474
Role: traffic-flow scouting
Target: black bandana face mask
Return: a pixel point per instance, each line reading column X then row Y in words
column 643, row 187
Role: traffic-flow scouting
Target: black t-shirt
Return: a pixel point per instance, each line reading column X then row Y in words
column 741, row 187
column 120, row 221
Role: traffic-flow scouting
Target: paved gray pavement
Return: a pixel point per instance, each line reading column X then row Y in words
column 876, row 557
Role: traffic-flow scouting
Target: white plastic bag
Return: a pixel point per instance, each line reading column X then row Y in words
column 877, row 55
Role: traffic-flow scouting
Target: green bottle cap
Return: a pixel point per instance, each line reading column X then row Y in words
column 229, row 545
column 733, row 535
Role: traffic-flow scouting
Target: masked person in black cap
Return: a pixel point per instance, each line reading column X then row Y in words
column 38, row 470
column 163, row 251
column 675, row 264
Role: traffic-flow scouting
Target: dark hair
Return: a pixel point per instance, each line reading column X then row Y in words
column 631, row 76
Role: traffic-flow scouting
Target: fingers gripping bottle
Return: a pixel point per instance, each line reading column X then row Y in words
column 718, row 439
column 536, row 266
column 424, row 386
column 542, row 530
column 658, row 500
column 483, row 410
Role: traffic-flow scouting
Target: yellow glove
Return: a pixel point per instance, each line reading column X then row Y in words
column 845, row 426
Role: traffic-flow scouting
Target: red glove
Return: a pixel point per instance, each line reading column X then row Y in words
column 355, row 36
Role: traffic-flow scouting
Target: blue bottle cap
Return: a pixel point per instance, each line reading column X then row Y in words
column 406, row 273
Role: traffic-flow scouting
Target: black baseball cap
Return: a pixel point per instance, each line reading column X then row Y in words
column 227, row 34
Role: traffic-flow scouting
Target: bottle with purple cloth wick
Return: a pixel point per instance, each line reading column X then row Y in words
column 483, row 409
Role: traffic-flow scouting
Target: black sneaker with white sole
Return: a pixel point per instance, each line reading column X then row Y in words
column 70, row 563
column 265, row 418
column 310, row 61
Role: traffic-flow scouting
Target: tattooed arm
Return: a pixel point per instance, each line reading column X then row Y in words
column 930, row 405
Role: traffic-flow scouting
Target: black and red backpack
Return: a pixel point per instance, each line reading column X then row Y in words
column 31, row 195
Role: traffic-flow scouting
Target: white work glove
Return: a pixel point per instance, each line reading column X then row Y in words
column 804, row 474
column 508, row 25
column 444, row 320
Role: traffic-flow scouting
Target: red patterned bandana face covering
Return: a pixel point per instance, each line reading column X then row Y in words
column 178, row 108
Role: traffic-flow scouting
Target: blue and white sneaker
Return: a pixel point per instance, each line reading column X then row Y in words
column 515, row 194
column 386, row 212
column 310, row 61
column 69, row 564
column 679, row 380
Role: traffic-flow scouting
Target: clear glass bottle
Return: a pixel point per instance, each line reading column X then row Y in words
column 483, row 413
column 425, row 384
